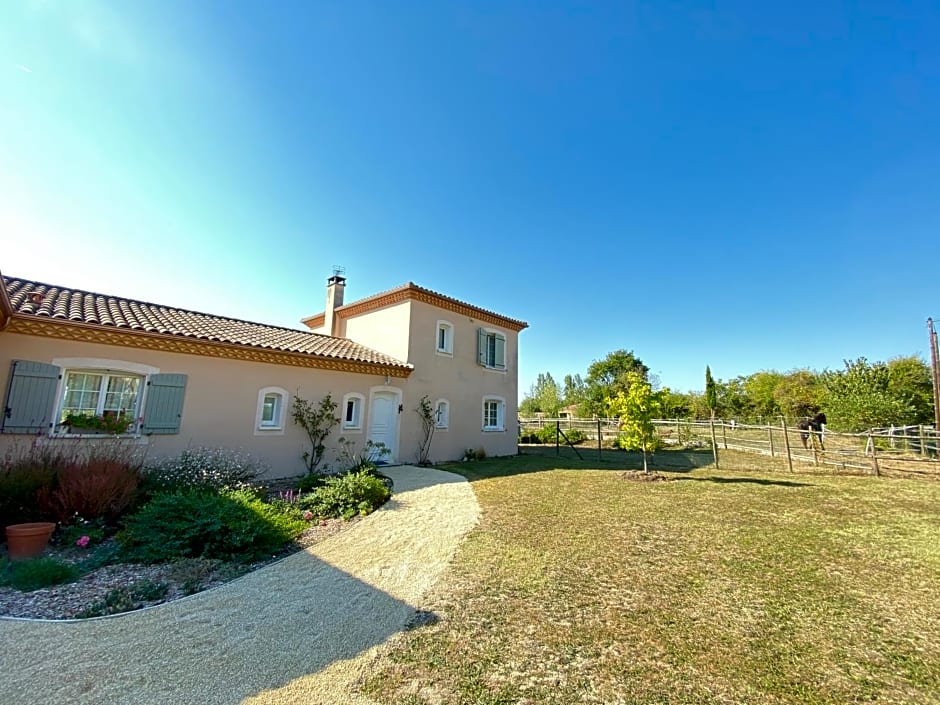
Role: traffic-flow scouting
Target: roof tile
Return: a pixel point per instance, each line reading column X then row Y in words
column 30, row 298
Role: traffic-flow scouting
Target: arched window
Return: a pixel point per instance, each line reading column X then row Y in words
column 272, row 409
column 442, row 414
column 351, row 411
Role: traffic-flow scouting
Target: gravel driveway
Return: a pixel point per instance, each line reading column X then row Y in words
column 300, row 631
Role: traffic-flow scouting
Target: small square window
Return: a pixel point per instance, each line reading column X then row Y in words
column 271, row 408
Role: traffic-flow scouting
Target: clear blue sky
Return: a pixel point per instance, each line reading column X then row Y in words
column 733, row 184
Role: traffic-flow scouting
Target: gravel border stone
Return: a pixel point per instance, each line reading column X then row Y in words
column 299, row 631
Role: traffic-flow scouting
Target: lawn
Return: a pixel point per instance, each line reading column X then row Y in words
column 745, row 585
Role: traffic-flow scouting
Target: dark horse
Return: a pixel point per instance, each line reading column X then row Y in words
column 813, row 426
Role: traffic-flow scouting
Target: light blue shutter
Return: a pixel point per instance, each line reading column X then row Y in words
column 30, row 402
column 500, row 361
column 164, row 404
column 481, row 346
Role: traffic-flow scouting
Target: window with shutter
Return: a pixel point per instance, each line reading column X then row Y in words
column 30, row 399
column 491, row 348
column 164, row 411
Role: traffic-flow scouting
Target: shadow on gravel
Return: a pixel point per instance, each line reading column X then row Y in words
column 258, row 633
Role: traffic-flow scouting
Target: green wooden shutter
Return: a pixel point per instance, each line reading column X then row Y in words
column 164, row 408
column 481, row 346
column 500, row 361
column 30, row 402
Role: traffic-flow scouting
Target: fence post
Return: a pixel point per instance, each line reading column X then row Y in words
column 678, row 432
column 923, row 446
column 711, row 423
column 724, row 434
column 557, row 437
column 786, row 442
column 874, row 456
column 770, row 437
column 599, row 454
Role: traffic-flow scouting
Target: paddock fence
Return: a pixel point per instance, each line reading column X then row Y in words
column 893, row 450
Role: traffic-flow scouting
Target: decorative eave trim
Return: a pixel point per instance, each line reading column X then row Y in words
column 414, row 292
column 87, row 333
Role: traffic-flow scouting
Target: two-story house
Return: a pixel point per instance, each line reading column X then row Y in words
column 183, row 378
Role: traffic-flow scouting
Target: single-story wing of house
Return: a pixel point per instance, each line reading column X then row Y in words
column 170, row 379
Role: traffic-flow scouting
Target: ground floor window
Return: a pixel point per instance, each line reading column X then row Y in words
column 352, row 411
column 100, row 394
column 442, row 414
column 494, row 412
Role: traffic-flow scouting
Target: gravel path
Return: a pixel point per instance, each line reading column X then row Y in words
column 299, row 631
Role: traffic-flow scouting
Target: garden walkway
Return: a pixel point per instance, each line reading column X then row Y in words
column 299, row 631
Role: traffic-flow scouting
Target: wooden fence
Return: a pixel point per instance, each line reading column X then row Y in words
column 901, row 450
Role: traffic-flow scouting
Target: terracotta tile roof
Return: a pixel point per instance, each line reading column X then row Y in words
column 40, row 300
column 413, row 291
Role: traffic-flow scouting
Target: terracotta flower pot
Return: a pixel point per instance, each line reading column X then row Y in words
column 28, row 540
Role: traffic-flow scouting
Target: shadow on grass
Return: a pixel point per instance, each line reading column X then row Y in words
column 748, row 481
column 532, row 459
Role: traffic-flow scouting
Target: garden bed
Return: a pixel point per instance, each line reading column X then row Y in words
column 120, row 580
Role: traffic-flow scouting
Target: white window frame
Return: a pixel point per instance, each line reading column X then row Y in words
column 104, row 367
column 277, row 427
column 447, row 328
column 490, row 332
column 500, row 413
column 358, row 422
column 442, row 420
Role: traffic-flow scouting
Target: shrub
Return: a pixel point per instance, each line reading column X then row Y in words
column 203, row 468
column 126, row 599
column 231, row 525
column 346, row 496
column 102, row 485
column 23, row 476
column 36, row 573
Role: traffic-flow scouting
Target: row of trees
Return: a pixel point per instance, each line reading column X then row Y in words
column 862, row 395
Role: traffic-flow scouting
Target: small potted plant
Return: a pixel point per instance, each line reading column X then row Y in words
column 109, row 424
column 28, row 540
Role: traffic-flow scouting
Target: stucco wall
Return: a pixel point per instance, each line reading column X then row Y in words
column 221, row 397
column 462, row 381
column 385, row 330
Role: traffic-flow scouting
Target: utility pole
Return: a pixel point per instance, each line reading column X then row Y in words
column 935, row 366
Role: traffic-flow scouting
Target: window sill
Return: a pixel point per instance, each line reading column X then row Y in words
column 352, row 429
column 444, row 353
column 501, row 370
column 494, row 430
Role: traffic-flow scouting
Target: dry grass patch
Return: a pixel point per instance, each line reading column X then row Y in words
column 716, row 587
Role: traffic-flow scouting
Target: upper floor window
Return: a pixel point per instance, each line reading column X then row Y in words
column 272, row 407
column 491, row 349
column 442, row 414
column 445, row 338
column 352, row 411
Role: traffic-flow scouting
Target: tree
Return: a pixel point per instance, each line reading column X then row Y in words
column 317, row 420
column 799, row 394
column 909, row 379
column 544, row 397
column 636, row 408
column 711, row 392
column 760, row 389
column 609, row 377
column 861, row 397
column 573, row 392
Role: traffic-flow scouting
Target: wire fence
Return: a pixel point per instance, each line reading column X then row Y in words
column 898, row 451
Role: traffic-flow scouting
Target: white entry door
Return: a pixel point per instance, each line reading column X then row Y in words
column 383, row 422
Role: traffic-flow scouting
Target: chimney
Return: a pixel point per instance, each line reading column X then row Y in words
column 335, row 286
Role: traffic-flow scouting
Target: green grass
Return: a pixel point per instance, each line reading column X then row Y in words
column 727, row 586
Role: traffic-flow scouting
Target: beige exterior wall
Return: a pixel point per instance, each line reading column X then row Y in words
column 221, row 401
column 460, row 380
column 385, row 329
